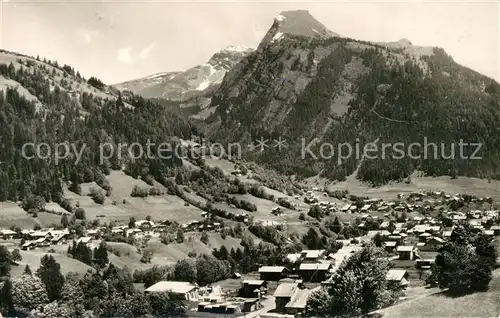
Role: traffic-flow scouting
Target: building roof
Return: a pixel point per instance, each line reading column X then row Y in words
column 395, row 274
column 173, row 287
column 315, row 266
column 255, row 282
column 271, row 269
column 313, row 253
column 7, row 232
column 407, row 248
column 299, row 299
column 285, row 290
column 390, row 243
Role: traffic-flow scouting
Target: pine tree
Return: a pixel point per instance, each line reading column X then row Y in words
column 27, row 270
column 101, row 255
column 64, row 221
column 50, row 274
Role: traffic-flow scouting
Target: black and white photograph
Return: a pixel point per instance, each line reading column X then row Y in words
column 249, row 159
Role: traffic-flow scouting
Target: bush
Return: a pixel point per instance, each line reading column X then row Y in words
column 80, row 213
column 138, row 192
column 155, row 191
column 97, row 195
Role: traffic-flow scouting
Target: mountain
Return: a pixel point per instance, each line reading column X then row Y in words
column 296, row 23
column 300, row 85
column 194, row 82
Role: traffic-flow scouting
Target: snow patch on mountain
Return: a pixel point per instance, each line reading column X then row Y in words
column 237, row 48
column 276, row 37
column 280, row 18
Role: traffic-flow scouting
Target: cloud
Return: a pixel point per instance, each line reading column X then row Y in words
column 87, row 35
column 125, row 56
column 145, row 51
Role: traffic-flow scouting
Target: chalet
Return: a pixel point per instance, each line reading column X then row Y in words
column 59, row 239
column 406, row 252
column 447, row 234
column 272, row 273
column 390, row 246
column 85, row 240
column 312, row 256
column 42, row 242
column 298, row 301
column 94, row 233
column 435, row 242
column 35, row 235
column 424, row 264
column 180, row 290
column 396, row 238
column 284, row 294
column 252, row 288
column 314, row 272
column 345, row 208
column 398, row 277
column 423, row 237
column 8, row 234
column 366, row 207
column 495, row 229
column 28, row 246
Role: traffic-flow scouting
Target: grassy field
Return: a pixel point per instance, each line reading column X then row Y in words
column 482, row 304
column 120, row 206
column 472, row 186
column 32, row 258
column 171, row 253
column 11, row 214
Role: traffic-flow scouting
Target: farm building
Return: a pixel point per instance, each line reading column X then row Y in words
column 314, row 272
column 180, row 290
column 272, row 273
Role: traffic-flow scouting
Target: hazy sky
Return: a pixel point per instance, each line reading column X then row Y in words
column 123, row 40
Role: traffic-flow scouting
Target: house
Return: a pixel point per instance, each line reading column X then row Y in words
column 8, row 234
column 28, row 246
column 252, row 288
column 435, row 242
column 42, row 242
column 283, row 295
column 94, row 233
column 59, row 239
column 314, row 272
column 312, row 256
column 299, row 300
column 272, row 273
column 390, row 246
column 180, row 290
column 424, row 264
column 423, row 237
column 495, row 229
column 398, row 277
column 406, row 252
column 85, row 240
column 144, row 225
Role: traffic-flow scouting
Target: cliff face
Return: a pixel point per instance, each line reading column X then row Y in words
column 302, row 85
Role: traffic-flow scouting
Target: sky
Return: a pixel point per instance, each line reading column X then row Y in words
column 118, row 41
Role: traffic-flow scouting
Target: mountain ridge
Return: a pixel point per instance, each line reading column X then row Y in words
column 183, row 85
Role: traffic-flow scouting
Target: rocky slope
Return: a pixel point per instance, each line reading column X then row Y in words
column 301, row 84
column 194, row 82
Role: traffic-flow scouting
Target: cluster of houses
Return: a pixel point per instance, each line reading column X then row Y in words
column 50, row 236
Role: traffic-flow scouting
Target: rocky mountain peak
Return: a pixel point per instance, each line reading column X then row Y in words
column 296, row 23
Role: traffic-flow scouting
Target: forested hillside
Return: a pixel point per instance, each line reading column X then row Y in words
column 341, row 90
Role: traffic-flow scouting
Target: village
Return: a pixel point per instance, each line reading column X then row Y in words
column 410, row 229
